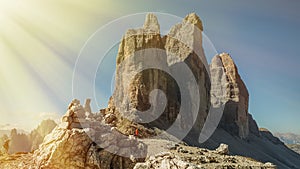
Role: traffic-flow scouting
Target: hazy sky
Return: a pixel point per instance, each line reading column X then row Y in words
column 40, row 41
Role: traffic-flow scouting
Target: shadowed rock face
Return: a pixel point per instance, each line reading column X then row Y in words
column 228, row 86
column 182, row 45
column 253, row 127
column 268, row 135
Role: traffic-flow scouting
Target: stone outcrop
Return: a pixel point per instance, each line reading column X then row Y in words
column 87, row 107
column 223, row 149
column 90, row 145
column 228, row 85
column 37, row 135
column 75, row 116
column 141, row 47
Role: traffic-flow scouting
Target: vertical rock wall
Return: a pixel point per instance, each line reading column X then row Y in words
column 183, row 44
column 228, row 86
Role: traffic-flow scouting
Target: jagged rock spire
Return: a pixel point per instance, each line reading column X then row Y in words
column 228, row 85
column 194, row 19
column 151, row 23
column 182, row 45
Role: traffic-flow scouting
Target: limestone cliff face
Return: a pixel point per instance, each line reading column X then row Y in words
column 228, row 86
column 136, row 94
column 183, row 45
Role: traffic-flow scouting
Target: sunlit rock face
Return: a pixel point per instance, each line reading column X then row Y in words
column 228, row 86
column 37, row 135
column 182, row 45
column 137, row 46
column 86, row 142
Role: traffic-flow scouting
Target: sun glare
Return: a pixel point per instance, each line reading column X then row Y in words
column 38, row 40
column 8, row 5
column 38, row 44
column 7, row 8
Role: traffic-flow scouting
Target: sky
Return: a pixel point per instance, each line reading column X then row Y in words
column 40, row 42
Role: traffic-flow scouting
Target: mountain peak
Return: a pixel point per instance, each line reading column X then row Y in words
column 151, row 23
column 194, row 19
column 227, row 79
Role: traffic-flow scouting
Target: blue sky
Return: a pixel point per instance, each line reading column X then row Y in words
column 40, row 42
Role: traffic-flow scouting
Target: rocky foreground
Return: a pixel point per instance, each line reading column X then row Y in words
column 182, row 156
column 69, row 145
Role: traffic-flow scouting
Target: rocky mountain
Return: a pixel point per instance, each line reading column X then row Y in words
column 164, row 92
column 17, row 141
column 237, row 128
column 288, row 138
column 144, row 47
column 291, row 140
column 37, row 135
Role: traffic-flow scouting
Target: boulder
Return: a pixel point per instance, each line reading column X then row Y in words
column 223, row 149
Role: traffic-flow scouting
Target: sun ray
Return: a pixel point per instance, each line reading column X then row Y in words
column 39, row 43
